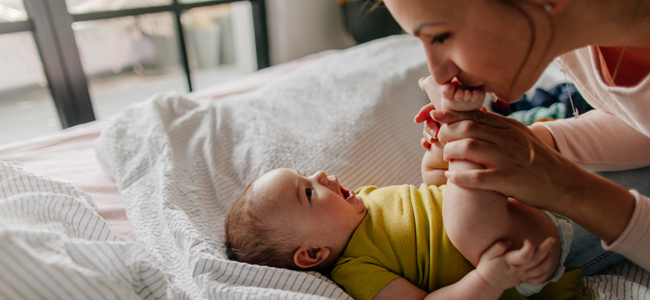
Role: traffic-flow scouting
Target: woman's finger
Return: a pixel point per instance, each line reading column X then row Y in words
column 431, row 129
column 425, row 144
column 491, row 151
column 424, row 113
column 483, row 117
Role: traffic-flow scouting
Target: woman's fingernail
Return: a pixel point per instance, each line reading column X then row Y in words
column 437, row 114
column 448, row 174
column 432, row 134
column 423, row 78
column 429, row 138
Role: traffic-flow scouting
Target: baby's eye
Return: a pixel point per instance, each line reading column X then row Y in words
column 308, row 192
column 439, row 39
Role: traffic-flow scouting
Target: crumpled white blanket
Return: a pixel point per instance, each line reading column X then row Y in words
column 179, row 164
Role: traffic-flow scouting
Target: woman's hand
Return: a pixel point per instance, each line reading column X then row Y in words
column 430, row 126
column 517, row 163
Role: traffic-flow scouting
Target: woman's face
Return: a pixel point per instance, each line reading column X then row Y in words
column 482, row 43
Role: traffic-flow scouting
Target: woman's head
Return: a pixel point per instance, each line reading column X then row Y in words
column 499, row 45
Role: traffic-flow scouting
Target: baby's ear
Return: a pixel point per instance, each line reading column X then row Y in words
column 308, row 257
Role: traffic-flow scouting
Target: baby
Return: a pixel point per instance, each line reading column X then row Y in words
column 390, row 242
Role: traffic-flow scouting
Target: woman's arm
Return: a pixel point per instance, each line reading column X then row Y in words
column 549, row 181
column 599, row 141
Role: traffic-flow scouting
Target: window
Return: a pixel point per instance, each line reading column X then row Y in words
column 89, row 59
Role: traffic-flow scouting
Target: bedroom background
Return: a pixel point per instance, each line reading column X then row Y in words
column 129, row 58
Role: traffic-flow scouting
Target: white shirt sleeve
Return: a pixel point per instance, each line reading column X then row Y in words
column 634, row 242
column 599, row 141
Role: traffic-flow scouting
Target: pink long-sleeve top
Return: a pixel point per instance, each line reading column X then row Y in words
column 614, row 136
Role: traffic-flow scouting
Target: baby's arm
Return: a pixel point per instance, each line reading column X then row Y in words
column 496, row 272
column 472, row 286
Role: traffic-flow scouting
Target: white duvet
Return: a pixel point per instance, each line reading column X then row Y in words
column 179, row 164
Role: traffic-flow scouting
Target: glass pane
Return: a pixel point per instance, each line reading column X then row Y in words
column 84, row 6
column 26, row 106
column 128, row 59
column 12, row 11
column 220, row 42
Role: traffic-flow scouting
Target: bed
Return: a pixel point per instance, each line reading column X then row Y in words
column 133, row 206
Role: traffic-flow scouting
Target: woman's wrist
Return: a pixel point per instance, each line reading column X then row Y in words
column 600, row 206
column 543, row 134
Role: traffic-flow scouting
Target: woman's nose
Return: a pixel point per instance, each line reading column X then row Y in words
column 441, row 67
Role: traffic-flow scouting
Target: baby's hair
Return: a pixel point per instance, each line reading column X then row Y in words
column 252, row 237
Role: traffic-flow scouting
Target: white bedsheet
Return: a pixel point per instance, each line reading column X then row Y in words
column 54, row 245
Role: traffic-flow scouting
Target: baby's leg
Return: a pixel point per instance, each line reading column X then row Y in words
column 475, row 219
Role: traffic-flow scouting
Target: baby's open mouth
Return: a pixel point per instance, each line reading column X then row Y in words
column 347, row 194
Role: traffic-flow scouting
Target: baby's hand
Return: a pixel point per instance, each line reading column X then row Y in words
column 456, row 97
column 505, row 270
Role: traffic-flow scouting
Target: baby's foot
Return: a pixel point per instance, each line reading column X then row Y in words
column 456, row 97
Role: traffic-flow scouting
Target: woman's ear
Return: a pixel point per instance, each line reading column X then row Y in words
column 308, row 257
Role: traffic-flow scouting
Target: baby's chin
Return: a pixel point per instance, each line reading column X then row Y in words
column 363, row 209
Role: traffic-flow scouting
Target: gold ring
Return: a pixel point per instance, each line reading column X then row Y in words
column 531, row 148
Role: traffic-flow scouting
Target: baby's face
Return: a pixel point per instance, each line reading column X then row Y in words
column 323, row 212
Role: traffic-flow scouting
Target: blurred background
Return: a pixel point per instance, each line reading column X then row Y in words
column 64, row 63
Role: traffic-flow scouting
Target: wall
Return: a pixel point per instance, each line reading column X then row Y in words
column 302, row 27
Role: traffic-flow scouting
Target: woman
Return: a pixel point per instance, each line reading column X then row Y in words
column 503, row 46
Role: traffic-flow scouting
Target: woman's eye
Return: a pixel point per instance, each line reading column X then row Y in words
column 439, row 39
column 308, row 192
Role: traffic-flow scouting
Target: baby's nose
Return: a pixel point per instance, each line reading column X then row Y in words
column 322, row 177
